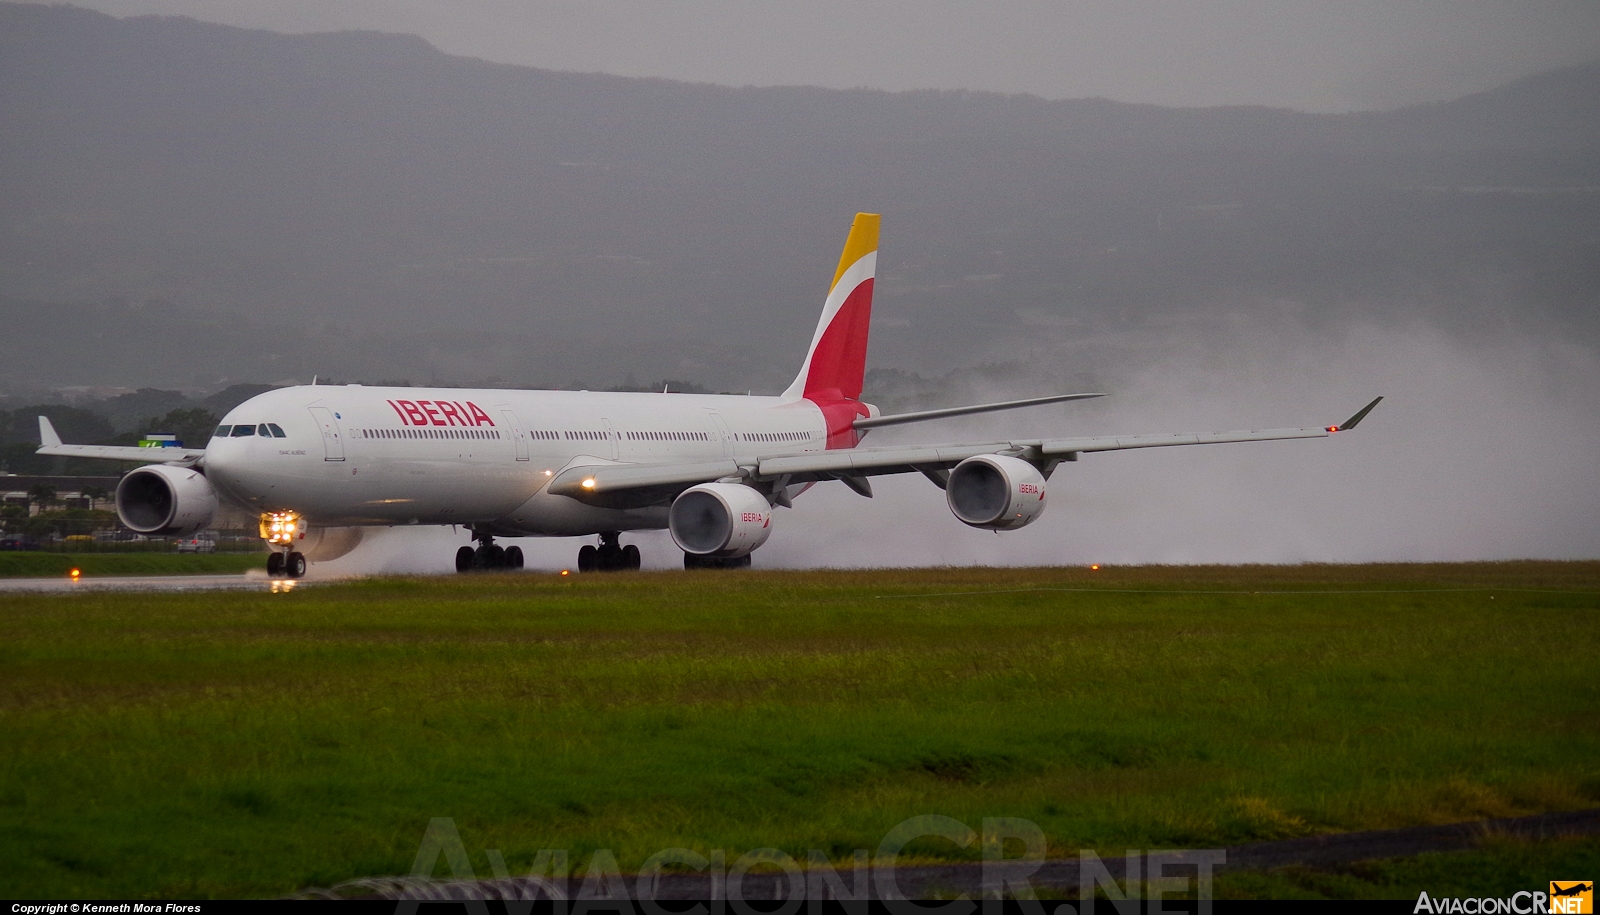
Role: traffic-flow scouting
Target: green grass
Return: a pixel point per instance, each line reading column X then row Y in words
column 1498, row 869
column 227, row 744
column 41, row 564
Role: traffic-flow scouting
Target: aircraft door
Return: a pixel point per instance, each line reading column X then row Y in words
column 722, row 431
column 332, row 440
column 518, row 435
column 611, row 438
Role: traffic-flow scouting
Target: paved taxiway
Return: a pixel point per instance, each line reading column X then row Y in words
column 57, row 584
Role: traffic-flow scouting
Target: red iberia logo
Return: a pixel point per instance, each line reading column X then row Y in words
column 1572, row 897
column 440, row 413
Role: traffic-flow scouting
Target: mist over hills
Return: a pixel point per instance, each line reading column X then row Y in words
column 192, row 205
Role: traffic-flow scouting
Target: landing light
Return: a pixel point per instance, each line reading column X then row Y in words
column 589, row 483
column 281, row 527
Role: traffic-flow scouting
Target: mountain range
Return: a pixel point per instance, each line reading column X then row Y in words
column 191, row 205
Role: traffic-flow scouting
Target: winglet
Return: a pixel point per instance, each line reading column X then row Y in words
column 1352, row 421
column 47, row 433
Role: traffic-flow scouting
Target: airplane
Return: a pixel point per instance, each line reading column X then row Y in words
column 318, row 464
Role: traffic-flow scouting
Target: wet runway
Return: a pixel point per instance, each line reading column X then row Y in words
column 250, row 581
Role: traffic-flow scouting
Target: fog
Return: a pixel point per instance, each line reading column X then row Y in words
column 1337, row 55
column 1476, row 453
column 204, row 210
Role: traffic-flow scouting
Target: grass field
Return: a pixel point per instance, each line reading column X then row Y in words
column 1498, row 869
column 40, row 565
column 228, row 744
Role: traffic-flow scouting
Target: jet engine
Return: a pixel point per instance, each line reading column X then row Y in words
column 164, row 499
column 995, row 492
column 321, row 544
column 726, row 520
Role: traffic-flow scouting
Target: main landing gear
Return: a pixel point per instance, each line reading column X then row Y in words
column 488, row 556
column 286, row 563
column 609, row 556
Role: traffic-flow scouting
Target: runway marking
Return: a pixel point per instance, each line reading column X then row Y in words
column 169, row 583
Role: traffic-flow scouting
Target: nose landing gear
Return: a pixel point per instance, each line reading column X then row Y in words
column 488, row 556
column 280, row 530
column 609, row 556
column 286, row 564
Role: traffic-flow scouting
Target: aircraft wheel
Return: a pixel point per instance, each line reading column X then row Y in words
column 464, row 557
column 296, row 565
column 588, row 558
column 609, row 558
column 492, row 556
column 513, row 557
column 630, row 557
column 274, row 564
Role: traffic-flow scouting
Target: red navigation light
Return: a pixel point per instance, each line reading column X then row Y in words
column 1333, row 428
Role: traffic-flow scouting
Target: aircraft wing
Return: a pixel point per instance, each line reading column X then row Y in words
column 51, row 444
column 611, row 483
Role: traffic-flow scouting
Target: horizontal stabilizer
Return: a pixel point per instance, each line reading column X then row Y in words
column 895, row 419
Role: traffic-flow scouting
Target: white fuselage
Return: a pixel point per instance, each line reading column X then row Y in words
column 357, row 455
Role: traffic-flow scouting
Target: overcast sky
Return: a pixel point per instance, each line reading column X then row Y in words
column 1321, row 55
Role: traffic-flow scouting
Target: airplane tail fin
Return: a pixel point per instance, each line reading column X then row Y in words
column 837, row 361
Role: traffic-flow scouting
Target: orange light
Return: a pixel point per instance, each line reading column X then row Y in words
column 565, row 572
column 1333, row 428
column 75, row 573
column 1095, row 567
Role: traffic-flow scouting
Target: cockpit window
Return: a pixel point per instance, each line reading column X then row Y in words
column 222, row 432
column 242, row 431
column 277, row 430
column 263, row 431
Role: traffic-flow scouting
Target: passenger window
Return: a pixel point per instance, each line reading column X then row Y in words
column 277, row 430
column 242, row 431
column 222, row 432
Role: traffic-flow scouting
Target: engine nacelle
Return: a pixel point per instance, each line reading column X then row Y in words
column 164, row 499
column 995, row 492
column 726, row 520
column 321, row 544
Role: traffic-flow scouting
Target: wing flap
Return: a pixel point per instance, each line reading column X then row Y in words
column 125, row 453
column 871, row 460
column 1128, row 442
column 50, row 444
